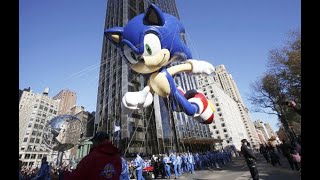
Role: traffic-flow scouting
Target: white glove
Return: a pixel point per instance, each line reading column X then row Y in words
column 201, row 66
column 137, row 100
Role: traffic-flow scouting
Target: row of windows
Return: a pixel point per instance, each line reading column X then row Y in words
column 222, row 125
column 44, row 108
column 31, row 156
column 37, row 126
column 32, row 140
column 224, row 130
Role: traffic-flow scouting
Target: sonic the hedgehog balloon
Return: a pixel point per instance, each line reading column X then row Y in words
column 150, row 42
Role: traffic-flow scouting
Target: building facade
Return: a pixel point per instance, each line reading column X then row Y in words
column 261, row 126
column 227, row 124
column 35, row 109
column 269, row 130
column 225, row 80
column 21, row 91
column 116, row 78
column 67, row 101
column 262, row 139
column 87, row 120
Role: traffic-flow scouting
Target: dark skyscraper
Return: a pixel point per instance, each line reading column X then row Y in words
column 153, row 129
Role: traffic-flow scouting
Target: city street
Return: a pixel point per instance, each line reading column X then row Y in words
column 238, row 170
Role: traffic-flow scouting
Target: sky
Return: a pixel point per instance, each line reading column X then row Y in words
column 60, row 42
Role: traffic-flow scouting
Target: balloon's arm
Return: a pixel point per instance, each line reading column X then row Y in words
column 194, row 66
column 179, row 68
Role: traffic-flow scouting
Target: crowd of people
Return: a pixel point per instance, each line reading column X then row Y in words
column 173, row 165
column 46, row 171
column 291, row 151
column 105, row 161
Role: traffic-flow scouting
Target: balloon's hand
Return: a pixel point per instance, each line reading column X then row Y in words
column 201, row 67
column 137, row 100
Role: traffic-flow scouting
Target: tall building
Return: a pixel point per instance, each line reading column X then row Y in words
column 116, row 78
column 87, row 120
column 262, row 139
column 227, row 124
column 229, row 86
column 269, row 129
column 21, row 91
column 67, row 101
column 261, row 126
column 35, row 109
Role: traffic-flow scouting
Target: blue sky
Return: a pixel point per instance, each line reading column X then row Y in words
column 60, row 42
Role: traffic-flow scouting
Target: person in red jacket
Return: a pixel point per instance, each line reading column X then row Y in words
column 102, row 162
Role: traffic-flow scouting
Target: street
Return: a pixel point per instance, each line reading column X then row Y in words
column 238, row 170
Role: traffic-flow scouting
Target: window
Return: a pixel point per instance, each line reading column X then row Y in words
column 218, row 109
column 35, row 106
column 37, row 119
column 219, row 137
column 226, row 135
column 228, row 141
column 223, row 125
column 39, row 133
column 217, row 131
column 20, row 156
column 25, row 139
column 39, row 156
column 29, row 125
column 33, row 156
column 224, row 130
column 41, row 107
column 35, row 125
column 37, row 140
column 31, row 140
column 34, row 133
column 214, row 127
column 27, row 156
column 46, row 109
column 220, row 114
column 22, row 148
column 31, row 119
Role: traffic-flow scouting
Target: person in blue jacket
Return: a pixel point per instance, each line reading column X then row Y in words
column 191, row 162
column 44, row 172
column 124, row 170
column 173, row 159
column 138, row 163
column 179, row 163
column 166, row 162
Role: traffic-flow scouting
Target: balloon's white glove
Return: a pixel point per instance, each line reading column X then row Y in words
column 137, row 100
column 201, row 66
